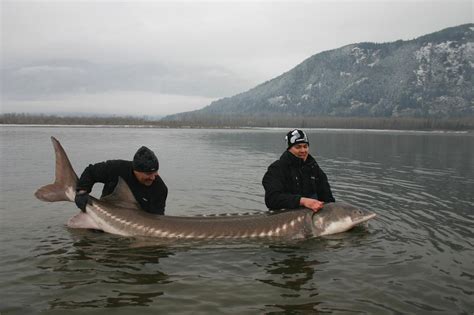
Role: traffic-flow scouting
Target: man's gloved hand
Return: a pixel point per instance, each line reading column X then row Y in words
column 81, row 199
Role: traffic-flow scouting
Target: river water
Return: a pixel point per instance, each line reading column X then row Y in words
column 416, row 257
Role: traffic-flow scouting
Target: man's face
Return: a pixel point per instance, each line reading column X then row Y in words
column 146, row 178
column 300, row 150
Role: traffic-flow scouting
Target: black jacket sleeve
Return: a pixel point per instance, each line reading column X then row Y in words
column 276, row 195
column 96, row 173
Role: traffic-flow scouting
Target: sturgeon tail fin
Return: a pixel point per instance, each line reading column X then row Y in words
column 64, row 186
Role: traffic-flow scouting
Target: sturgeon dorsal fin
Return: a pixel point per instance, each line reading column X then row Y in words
column 122, row 196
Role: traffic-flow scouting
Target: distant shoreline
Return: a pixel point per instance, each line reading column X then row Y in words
column 342, row 130
column 244, row 122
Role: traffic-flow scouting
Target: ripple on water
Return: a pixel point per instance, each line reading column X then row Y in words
column 415, row 257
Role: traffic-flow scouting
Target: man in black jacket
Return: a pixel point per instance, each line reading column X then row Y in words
column 141, row 175
column 296, row 180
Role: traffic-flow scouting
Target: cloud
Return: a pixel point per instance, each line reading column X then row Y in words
column 135, row 103
column 75, row 76
column 58, row 50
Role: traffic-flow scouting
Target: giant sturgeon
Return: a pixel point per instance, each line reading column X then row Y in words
column 120, row 214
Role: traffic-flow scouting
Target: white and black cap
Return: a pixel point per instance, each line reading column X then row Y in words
column 296, row 136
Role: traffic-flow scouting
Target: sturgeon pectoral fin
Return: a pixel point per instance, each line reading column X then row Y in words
column 82, row 221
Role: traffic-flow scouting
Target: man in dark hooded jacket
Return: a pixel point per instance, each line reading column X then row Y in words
column 141, row 175
column 296, row 180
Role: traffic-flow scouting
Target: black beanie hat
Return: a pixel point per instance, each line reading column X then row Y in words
column 296, row 136
column 145, row 161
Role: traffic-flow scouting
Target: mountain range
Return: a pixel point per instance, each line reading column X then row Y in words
column 427, row 77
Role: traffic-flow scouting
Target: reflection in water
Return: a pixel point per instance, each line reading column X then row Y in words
column 305, row 308
column 294, row 273
column 99, row 270
column 123, row 299
column 300, row 272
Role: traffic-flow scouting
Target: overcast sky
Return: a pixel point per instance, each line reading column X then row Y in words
column 163, row 57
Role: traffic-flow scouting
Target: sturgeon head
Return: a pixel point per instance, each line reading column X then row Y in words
column 338, row 217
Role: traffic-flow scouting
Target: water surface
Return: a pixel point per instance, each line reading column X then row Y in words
column 416, row 257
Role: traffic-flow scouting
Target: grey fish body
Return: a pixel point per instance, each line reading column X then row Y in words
column 123, row 221
column 120, row 214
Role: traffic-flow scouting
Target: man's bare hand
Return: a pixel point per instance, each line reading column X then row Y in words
column 312, row 204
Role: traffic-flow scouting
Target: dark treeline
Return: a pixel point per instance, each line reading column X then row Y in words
column 40, row 119
column 192, row 120
column 393, row 123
